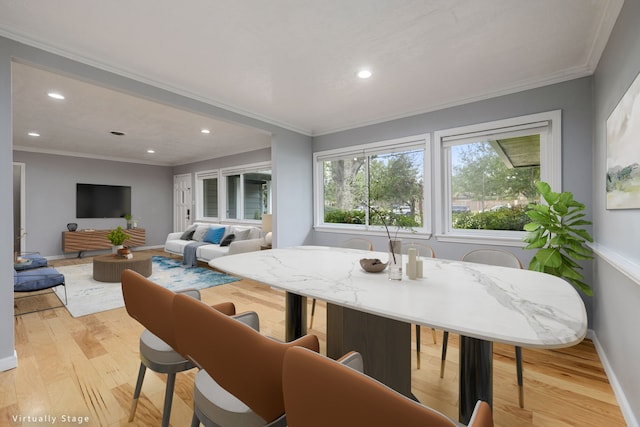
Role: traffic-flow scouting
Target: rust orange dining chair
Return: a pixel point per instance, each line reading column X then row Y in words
column 240, row 381
column 320, row 392
column 151, row 305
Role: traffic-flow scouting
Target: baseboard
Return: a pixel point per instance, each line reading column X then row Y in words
column 10, row 362
column 623, row 403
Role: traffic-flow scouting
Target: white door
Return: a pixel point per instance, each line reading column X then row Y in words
column 182, row 202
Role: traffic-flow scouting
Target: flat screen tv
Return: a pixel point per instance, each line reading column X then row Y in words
column 102, row 201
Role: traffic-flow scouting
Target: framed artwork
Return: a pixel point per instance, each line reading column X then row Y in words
column 623, row 151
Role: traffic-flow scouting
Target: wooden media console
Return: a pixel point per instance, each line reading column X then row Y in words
column 90, row 240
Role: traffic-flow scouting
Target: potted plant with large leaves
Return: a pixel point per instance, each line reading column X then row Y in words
column 556, row 232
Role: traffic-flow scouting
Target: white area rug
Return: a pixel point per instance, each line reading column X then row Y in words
column 88, row 296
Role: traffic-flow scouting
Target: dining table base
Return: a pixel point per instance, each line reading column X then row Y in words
column 476, row 375
column 383, row 343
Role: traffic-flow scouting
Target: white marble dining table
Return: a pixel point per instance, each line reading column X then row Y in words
column 482, row 303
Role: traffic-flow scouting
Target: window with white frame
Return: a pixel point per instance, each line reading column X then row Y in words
column 207, row 195
column 487, row 174
column 362, row 188
column 247, row 191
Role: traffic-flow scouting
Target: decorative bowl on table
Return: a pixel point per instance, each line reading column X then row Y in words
column 123, row 252
column 372, row 265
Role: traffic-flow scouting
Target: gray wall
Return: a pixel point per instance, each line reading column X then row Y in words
column 573, row 98
column 617, row 232
column 257, row 156
column 293, row 189
column 7, row 352
column 51, row 197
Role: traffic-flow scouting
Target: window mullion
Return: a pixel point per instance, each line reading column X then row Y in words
column 367, row 176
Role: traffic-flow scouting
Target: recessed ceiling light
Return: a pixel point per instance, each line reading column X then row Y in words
column 33, row 134
column 55, row 95
column 151, row 151
column 206, row 131
column 364, row 74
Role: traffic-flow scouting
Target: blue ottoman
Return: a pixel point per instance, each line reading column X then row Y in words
column 37, row 279
column 34, row 260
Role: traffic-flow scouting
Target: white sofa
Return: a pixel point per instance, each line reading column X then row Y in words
column 247, row 239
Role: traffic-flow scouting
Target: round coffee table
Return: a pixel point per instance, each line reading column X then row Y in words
column 109, row 268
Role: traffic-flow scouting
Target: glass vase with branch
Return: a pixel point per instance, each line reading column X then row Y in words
column 394, row 245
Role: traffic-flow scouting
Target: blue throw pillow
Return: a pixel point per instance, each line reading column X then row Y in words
column 214, row 235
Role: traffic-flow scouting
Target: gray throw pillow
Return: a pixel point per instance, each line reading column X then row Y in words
column 200, row 232
column 241, row 235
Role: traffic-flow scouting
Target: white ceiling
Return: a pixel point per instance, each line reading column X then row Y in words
column 81, row 125
column 291, row 63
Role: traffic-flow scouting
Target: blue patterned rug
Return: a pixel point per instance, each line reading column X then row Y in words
column 88, row 296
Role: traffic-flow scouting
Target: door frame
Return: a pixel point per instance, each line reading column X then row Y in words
column 19, row 190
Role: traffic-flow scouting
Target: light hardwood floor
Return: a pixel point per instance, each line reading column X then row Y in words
column 87, row 367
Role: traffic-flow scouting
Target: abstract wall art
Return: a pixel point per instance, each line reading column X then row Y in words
column 623, row 151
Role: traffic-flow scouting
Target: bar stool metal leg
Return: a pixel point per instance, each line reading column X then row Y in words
column 313, row 311
column 136, row 393
column 445, row 341
column 418, row 345
column 168, row 398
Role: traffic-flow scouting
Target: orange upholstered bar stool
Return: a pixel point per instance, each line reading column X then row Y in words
column 151, row 305
column 240, row 381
